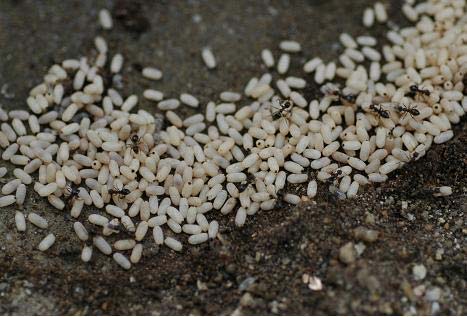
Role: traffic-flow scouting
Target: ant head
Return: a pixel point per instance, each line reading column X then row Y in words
column 338, row 172
column 125, row 191
column 286, row 103
column 134, row 138
column 242, row 186
column 413, row 88
column 350, row 98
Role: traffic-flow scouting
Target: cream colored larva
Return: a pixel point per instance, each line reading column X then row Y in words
column 368, row 17
column 116, row 64
column 102, row 245
column 11, row 186
column 268, row 58
column 121, row 260
column 173, row 244
column 189, row 100
column 290, row 46
column 238, row 153
column 47, row 242
column 208, row 58
column 283, row 63
column 86, row 253
column 152, row 73
column 20, row 221
column 81, row 231
column 105, row 19
column 136, row 253
column 37, row 220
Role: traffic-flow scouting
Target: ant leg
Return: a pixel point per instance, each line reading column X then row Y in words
column 68, row 189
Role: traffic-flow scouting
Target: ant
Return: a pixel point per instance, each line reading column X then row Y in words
column 411, row 157
column 414, row 90
column 112, row 226
column 73, row 193
column 136, row 143
column 334, row 176
column 411, row 110
column 414, row 156
column 332, row 181
column 121, row 192
column 333, row 90
column 250, row 180
column 380, row 111
column 283, row 110
column 336, row 193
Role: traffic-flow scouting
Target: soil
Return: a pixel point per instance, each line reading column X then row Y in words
column 258, row 269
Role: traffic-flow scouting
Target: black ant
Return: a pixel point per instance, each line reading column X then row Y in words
column 73, row 193
column 280, row 202
column 250, row 181
column 334, row 176
column 414, row 90
column 411, row 157
column 333, row 189
column 414, row 156
column 411, row 110
column 242, row 186
column 332, row 90
column 121, row 192
column 114, row 225
column 136, row 143
column 380, row 111
column 284, row 109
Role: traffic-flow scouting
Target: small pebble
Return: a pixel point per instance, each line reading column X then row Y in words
column 419, row 272
column 347, row 253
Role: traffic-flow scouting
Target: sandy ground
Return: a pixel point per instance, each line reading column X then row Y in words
column 257, row 269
